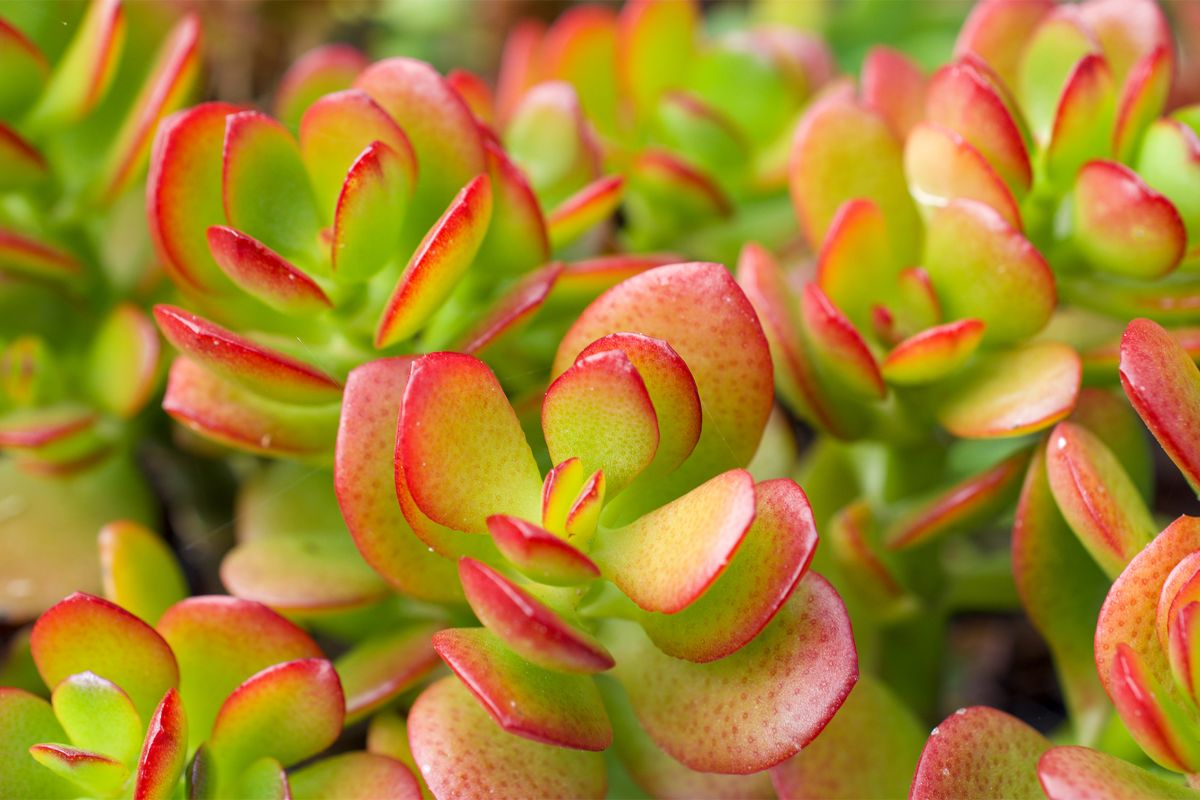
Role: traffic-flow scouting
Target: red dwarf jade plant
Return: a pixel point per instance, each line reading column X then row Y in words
column 1083, row 506
column 699, row 125
column 636, row 587
column 83, row 89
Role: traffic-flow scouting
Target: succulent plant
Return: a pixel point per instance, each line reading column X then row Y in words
column 644, row 572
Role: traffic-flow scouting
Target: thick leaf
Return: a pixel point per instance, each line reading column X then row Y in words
column 1151, row 716
column 667, row 559
column 1143, row 96
column 856, row 265
column 27, row 720
column 124, row 360
column 836, row 767
column 1126, row 31
column 894, row 86
column 28, row 256
column 383, row 666
column 265, row 186
column 319, row 72
column 840, row 351
column 355, row 776
column 600, row 412
column 23, row 166
column 519, row 65
column 84, row 633
column 512, row 311
column 980, row 753
column 91, row 772
column 583, row 281
column 843, row 150
column 550, row 139
column 140, row 572
column 183, row 194
column 441, row 260
column 539, row 554
column 983, row 268
column 1012, row 393
column 85, row 71
column 26, row 69
column 1051, row 54
column 98, row 717
column 1163, row 385
column 259, row 718
column 168, row 84
column 222, row 641
column 697, row 309
column 585, row 209
column 1097, row 497
column 942, row 166
column 581, row 48
column 655, row 43
column 229, row 413
column 463, row 753
column 164, row 751
column 527, row 626
column 517, row 240
column 755, row 708
column 461, row 447
column 373, row 200
column 526, row 700
column 259, row 369
column 997, row 31
column 765, row 569
column 1083, row 123
column 1067, row 773
column 264, row 274
column 366, row 490
column 265, row 779
column 933, row 353
column 475, row 92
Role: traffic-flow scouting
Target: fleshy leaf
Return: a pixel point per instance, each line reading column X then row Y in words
column 856, row 264
column 933, row 353
column 550, row 139
column 140, row 572
column 28, row 256
column 894, row 86
column 267, row 276
column 695, row 308
column 1163, row 385
column 1083, row 123
column 355, row 776
column 526, row 700
column 667, row 559
column 600, row 412
column 1127, row 30
column 585, row 209
column 27, row 720
column 843, row 150
column 381, row 667
column 164, row 751
column 765, row 569
column 443, row 257
column 265, row 186
column 462, row 449
column 841, row 352
column 1073, row 772
column 475, row 92
column 526, row 625
column 222, row 641
column 261, row 370
column 91, row 772
column 124, row 360
column 1142, row 99
column 259, row 718
column 512, row 310
column 23, row 166
column 990, row 400
column 85, row 633
column 1153, row 718
column 85, row 71
column 581, row 48
column 759, row 705
column 517, row 240
column 984, row 268
column 364, row 478
column 655, row 43
column 319, row 72
column 1051, row 54
column 942, row 166
column 265, row 779
column 463, row 753
column 997, row 31
column 26, row 69
column 98, row 716
column 1097, row 497
column 539, row 554
column 1122, row 226
column 366, row 225
column 833, row 767
column 980, row 753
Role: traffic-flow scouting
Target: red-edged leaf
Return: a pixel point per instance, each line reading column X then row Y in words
column 463, row 753
column 517, row 239
column 123, row 364
column 373, row 199
column 98, row 717
column 894, row 86
column 667, row 559
column 475, row 92
column 581, row 48
column 1163, row 385
column 319, row 72
column 443, row 257
column 1143, row 96
column 22, row 165
column 29, row 256
column 761, row 576
column 461, row 447
column 980, row 753
column 26, row 69
column 982, row 267
column 839, row 348
column 85, row 70
column 942, row 166
column 512, row 311
column 856, row 265
column 365, row 482
column 168, row 84
column 139, row 570
column 164, row 751
column 546, row 706
column 991, row 400
column 1050, row 55
column 355, row 776
column 83, row 633
column 1155, row 719
column 222, row 641
column 519, row 66
column 585, row 209
column 27, row 720
column 527, row 626
column 267, row 372
column 261, row 272
column 1068, row 773
column 583, row 281
column 1083, row 123
column 1127, row 31
column 600, row 412
column 933, row 353
column 655, row 42
column 378, row 669
column 760, row 705
column 997, row 31
column 540, row 554
column 183, row 194
column 90, row 772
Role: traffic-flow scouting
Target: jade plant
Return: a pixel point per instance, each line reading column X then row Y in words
column 634, row 586
column 699, row 125
column 84, row 88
